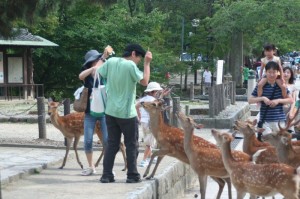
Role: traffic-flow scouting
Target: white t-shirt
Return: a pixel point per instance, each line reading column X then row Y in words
column 144, row 114
column 265, row 60
column 207, row 76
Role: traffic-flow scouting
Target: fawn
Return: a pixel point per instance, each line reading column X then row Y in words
column 258, row 179
column 170, row 140
column 205, row 161
column 72, row 127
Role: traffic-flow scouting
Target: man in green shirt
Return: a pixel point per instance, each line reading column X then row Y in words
column 122, row 75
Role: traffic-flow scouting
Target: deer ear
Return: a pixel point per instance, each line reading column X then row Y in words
column 199, row 126
column 50, row 99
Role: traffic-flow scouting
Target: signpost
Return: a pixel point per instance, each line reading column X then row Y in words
column 219, row 78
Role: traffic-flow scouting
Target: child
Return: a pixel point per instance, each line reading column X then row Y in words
column 144, row 118
column 269, row 51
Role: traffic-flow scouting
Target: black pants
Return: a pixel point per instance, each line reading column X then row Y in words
column 115, row 127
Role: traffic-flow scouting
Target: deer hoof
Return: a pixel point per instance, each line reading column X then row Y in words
column 81, row 166
column 124, row 169
column 149, row 177
column 61, row 167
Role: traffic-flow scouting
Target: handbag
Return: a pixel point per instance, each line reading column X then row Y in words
column 80, row 104
column 98, row 98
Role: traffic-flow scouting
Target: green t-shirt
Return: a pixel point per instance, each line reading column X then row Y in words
column 121, row 78
column 246, row 73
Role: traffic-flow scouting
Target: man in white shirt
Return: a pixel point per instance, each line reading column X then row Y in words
column 207, row 79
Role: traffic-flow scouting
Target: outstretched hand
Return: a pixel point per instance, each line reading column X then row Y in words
column 148, row 57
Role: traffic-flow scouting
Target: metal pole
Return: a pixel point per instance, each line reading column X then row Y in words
column 176, row 107
column 66, row 112
column 182, row 35
column 41, row 117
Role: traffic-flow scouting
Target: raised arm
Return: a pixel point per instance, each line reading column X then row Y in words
column 147, row 61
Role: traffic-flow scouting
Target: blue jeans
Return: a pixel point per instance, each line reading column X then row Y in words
column 89, row 126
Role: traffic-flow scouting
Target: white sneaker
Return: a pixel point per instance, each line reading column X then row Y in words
column 144, row 163
column 88, row 171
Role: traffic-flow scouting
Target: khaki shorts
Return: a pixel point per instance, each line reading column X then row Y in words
column 272, row 127
column 149, row 139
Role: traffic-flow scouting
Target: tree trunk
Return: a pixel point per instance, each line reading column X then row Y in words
column 236, row 58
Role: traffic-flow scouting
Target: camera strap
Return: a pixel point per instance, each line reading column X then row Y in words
column 267, row 108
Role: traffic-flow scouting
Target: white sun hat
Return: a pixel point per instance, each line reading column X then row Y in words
column 153, row 86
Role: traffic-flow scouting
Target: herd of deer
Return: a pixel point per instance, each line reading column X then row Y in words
column 261, row 169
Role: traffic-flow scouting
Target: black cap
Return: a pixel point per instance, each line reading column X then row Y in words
column 135, row 47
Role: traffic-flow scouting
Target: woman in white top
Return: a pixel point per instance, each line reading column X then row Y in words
column 288, row 76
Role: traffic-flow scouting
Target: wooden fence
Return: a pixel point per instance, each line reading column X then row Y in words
column 221, row 96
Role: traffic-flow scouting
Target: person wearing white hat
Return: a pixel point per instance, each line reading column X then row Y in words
column 144, row 118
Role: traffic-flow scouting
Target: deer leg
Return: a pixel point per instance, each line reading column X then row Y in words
column 228, row 181
column 155, row 168
column 69, row 141
column 75, row 144
column 240, row 194
column 161, row 153
column 122, row 148
column 202, row 182
column 221, row 184
column 252, row 196
column 100, row 157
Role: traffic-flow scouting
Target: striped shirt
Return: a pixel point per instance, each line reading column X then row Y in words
column 273, row 114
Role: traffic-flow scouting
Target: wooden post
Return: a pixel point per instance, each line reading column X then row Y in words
column 41, row 117
column 233, row 92
column 66, row 106
column 211, row 99
column 192, row 91
column 66, row 112
column 176, row 107
column 187, row 110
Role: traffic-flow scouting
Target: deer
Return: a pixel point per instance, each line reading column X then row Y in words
column 170, row 141
column 261, row 152
column 282, row 140
column 258, row 179
column 205, row 161
column 72, row 127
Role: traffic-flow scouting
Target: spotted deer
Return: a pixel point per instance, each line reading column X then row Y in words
column 258, row 179
column 170, row 141
column 72, row 127
column 262, row 152
column 205, row 161
column 282, row 140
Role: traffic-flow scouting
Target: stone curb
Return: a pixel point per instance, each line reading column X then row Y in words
column 171, row 184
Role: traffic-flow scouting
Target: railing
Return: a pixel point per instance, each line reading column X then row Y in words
column 220, row 96
column 21, row 91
